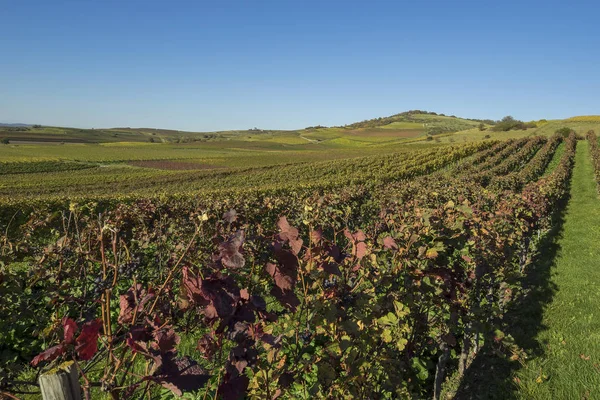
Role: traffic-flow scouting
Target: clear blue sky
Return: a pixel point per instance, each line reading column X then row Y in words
column 210, row 65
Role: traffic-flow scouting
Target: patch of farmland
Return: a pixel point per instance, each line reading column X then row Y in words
column 172, row 165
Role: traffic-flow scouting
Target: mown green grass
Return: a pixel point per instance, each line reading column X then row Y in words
column 569, row 367
column 556, row 321
column 555, row 159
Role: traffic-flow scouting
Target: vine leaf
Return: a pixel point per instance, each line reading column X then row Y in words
column 229, row 251
column 127, row 302
column 69, row 327
column 230, row 216
column 235, row 388
column 389, row 243
column 87, row 341
column 316, row 236
column 283, row 278
column 359, row 248
column 181, row 374
column 48, row 355
column 289, row 234
column 166, row 339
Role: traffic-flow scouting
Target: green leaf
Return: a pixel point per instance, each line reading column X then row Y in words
column 389, row 319
column 420, row 368
column 386, row 335
column 401, row 343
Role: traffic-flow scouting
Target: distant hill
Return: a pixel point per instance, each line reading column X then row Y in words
column 433, row 122
column 7, row 125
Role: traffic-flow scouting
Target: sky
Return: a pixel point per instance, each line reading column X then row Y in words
column 283, row 64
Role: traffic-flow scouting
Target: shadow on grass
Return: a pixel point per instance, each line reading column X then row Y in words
column 490, row 376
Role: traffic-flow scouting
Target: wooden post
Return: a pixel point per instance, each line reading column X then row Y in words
column 61, row 383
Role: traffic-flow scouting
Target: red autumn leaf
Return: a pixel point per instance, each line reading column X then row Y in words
column 208, row 346
column 70, row 327
column 230, row 216
column 210, row 312
column 136, row 346
column 290, row 234
column 316, row 236
column 127, row 302
column 286, row 297
column 166, row 339
column 234, row 389
column 331, row 268
column 359, row 236
column 282, row 280
column 389, row 243
column 218, row 293
column 229, row 251
column 361, row 250
column 126, row 308
column 337, row 255
column 87, row 341
column 180, row 375
column 48, row 355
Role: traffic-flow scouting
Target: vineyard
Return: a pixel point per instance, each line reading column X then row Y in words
column 378, row 276
column 104, row 182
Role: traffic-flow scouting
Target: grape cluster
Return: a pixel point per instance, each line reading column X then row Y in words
column 328, row 284
column 130, row 267
column 347, row 300
column 306, row 336
column 67, row 252
column 100, row 285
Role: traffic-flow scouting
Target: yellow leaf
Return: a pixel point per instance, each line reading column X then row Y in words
column 431, row 253
column 271, row 355
column 386, row 336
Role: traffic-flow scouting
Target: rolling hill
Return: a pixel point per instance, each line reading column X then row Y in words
column 406, row 127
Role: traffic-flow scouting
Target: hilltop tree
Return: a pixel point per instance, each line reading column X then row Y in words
column 564, row 132
column 508, row 123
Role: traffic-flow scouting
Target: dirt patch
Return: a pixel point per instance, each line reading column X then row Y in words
column 172, row 165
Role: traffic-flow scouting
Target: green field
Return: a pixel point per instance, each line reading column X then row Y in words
column 400, row 257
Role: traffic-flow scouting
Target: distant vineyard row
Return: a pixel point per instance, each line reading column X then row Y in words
column 104, row 183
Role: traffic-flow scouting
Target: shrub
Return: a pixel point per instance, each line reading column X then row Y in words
column 508, row 123
column 5, row 141
column 564, row 132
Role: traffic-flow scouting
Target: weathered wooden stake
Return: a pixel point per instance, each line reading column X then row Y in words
column 61, row 383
